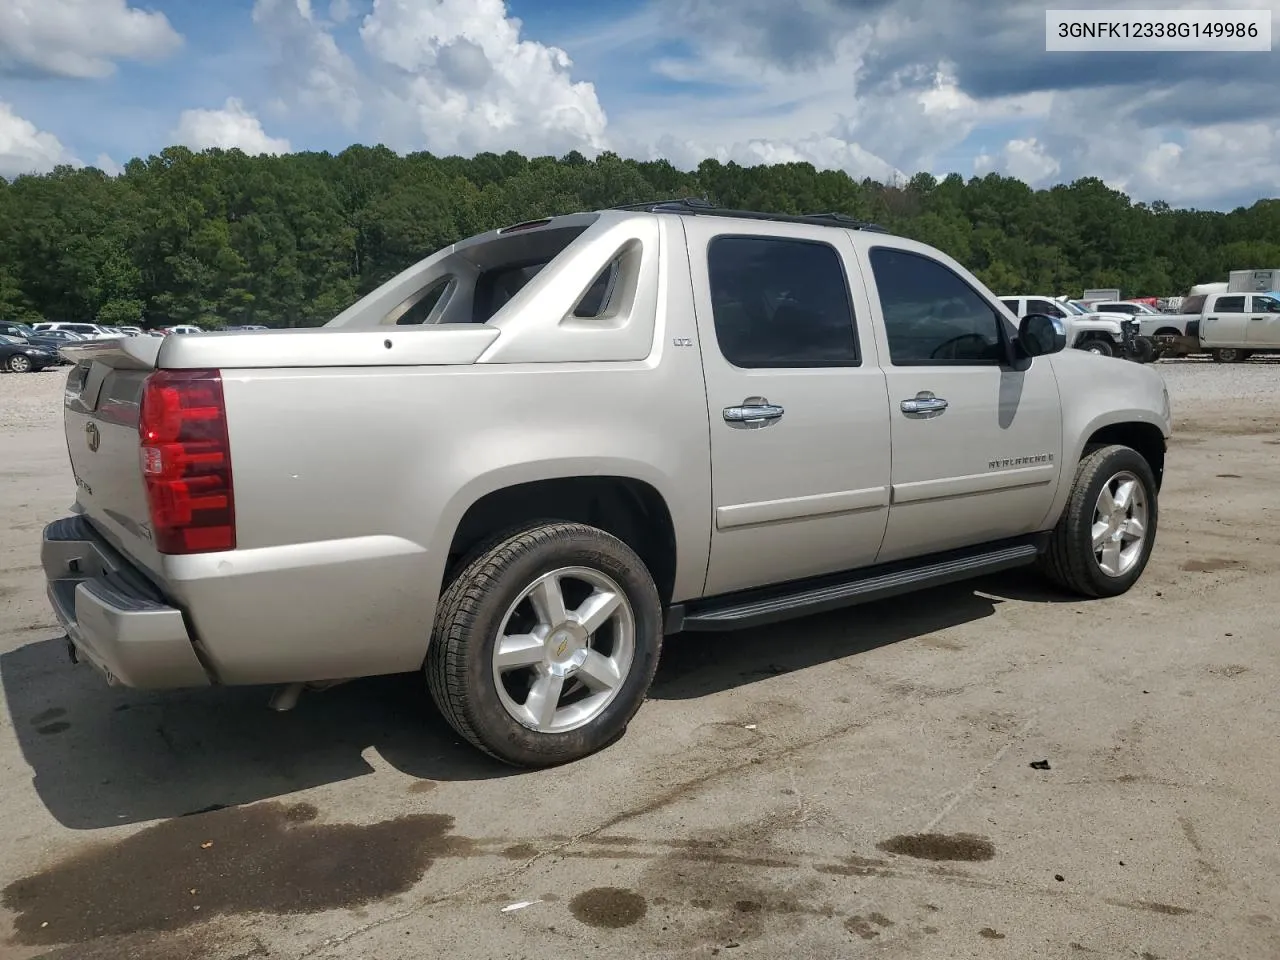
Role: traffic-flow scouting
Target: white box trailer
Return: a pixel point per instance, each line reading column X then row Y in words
column 1253, row 281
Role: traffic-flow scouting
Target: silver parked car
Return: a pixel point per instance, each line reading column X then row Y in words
column 520, row 463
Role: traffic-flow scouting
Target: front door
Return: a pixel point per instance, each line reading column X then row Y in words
column 977, row 445
column 1226, row 325
column 1264, row 322
column 799, row 416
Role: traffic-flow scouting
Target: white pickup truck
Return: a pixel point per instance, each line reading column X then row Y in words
column 520, row 463
column 1230, row 327
column 1106, row 334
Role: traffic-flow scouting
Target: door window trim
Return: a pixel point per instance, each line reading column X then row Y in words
column 856, row 361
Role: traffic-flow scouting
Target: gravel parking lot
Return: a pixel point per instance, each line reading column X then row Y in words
column 858, row 783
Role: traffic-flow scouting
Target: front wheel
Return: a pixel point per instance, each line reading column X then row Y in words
column 1143, row 351
column 1105, row 535
column 19, row 363
column 1099, row 346
column 545, row 644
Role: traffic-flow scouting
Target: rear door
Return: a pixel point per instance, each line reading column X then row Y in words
column 1225, row 320
column 799, row 416
column 1264, row 322
column 977, row 445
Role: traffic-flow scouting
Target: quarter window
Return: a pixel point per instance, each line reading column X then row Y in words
column 422, row 309
column 931, row 315
column 780, row 303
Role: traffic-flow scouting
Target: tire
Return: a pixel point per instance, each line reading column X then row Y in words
column 1102, row 348
column 18, row 363
column 489, row 597
column 1229, row 355
column 1144, row 351
column 1070, row 560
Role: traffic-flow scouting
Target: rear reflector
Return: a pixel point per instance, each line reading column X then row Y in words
column 186, row 461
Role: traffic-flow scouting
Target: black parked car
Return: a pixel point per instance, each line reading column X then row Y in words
column 19, row 356
column 50, row 339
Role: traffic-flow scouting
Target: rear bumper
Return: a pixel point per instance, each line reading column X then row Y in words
column 113, row 615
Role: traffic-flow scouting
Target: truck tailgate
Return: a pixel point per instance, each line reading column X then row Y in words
column 100, row 419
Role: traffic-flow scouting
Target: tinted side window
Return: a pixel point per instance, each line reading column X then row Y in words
column 1044, row 306
column 931, row 315
column 780, row 303
column 1266, row 305
column 1230, row 305
column 1012, row 305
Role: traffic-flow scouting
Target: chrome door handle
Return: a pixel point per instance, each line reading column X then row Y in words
column 753, row 412
column 923, row 406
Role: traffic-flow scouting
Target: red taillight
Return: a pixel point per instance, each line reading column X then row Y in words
column 186, row 461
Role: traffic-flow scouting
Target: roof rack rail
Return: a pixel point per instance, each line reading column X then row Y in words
column 700, row 206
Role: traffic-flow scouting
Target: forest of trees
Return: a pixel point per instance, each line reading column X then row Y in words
column 223, row 238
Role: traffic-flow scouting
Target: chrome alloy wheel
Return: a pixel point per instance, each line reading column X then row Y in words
column 1119, row 524
column 556, row 666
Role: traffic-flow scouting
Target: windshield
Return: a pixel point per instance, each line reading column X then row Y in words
column 1072, row 307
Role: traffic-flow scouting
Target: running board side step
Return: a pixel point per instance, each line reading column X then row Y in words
column 803, row 598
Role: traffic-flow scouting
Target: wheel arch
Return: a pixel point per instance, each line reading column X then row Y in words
column 630, row 508
column 1134, row 428
column 1145, row 438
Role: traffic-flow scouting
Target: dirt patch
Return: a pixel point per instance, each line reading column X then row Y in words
column 1212, row 565
column 608, row 907
column 520, row 851
column 865, row 927
column 940, row 846
column 1230, row 671
column 265, row 858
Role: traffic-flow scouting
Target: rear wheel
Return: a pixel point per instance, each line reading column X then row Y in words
column 1229, row 355
column 1105, row 535
column 545, row 644
column 1102, row 348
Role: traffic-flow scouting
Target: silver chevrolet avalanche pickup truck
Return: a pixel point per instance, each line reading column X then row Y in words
column 522, row 462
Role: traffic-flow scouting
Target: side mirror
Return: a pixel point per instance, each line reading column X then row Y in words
column 1040, row 334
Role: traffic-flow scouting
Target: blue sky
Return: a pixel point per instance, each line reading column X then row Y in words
column 879, row 88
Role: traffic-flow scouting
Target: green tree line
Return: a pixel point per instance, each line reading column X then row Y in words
column 219, row 237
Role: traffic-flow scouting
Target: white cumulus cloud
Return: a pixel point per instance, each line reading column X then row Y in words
column 80, row 38
column 442, row 75
column 24, row 148
column 1025, row 160
column 231, row 127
